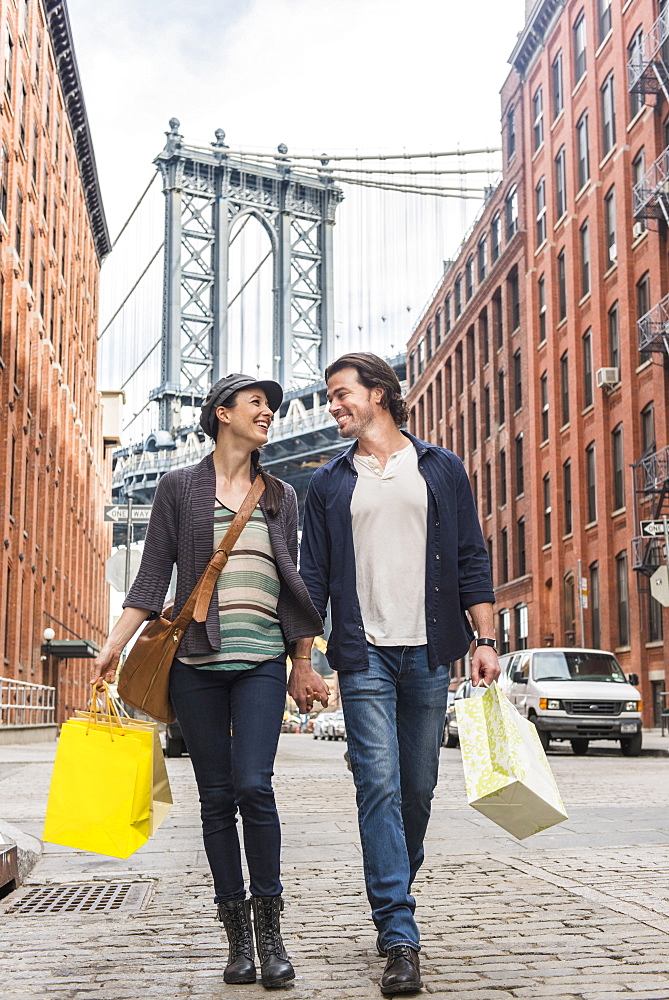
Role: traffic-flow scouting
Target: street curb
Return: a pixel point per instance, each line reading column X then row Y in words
column 28, row 849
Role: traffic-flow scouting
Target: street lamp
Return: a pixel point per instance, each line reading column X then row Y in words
column 49, row 634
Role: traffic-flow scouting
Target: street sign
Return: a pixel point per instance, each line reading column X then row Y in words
column 118, row 513
column 652, row 529
column 659, row 585
column 116, row 569
column 584, row 592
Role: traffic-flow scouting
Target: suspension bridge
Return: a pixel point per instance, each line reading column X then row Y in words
column 239, row 266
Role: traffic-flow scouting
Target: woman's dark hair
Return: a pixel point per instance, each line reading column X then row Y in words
column 273, row 486
column 373, row 371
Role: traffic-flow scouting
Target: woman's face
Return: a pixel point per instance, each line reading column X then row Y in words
column 249, row 419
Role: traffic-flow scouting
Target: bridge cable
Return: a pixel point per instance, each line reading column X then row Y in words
column 127, row 221
column 101, row 335
column 145, row 358
column 250, row 278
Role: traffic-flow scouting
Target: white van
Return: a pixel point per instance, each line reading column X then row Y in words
column 574, row 694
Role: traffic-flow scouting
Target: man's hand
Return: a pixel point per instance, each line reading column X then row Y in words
column 485, row 665
column 306, row 686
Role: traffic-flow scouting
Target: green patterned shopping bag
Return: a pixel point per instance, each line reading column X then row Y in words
column 507, row 775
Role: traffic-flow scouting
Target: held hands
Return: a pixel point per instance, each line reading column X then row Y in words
column 485, row 665
column 306, row 686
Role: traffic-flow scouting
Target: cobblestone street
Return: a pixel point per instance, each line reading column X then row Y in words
column 579, row 912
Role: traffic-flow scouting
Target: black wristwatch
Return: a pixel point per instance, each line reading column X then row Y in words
column 487, row 642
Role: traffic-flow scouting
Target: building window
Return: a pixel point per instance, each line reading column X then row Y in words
column 569, row 609
column 520, row 541
column 412, row 368
column 544, row 406
column 471, row 354
column 511, row 132
column 604, row 18
column 4, row 181
column 560, row 184
column 614, row 337
column 504, row 552
column 538, row 112
column 595, row 605
column 482, row 257
column 437, row 328
column 564, row 386
column 635, row 58
column 618, row 467
column 31, row 257
column 428, row 341
column 583, row 151
column 440, row 398
column 473, row 427
column 19, row 222
column 22, row 116
column 486, row 411
column 591, row 482
column 520, row 468
column 457, row 294
column 475, row 490
column 517, row 381
column 579, row 47
column 505, row 631
column 449, row 384
column 421, row 356
column 497, row 318
column 489, row 548
column 9, row 65
column 488, row 489
column 447, row 313
column 643, row 295
column 495, row 237
column 608, row 116
column 542, row 308
column 562, row 285
column 638, row 173
column 462, row 437
column 511, row 212
column 540, row 204
column 485, row 345
column 500, row 396
column 587, row 368
column 584, row 234
column 546, row 484
column 610, row 222
column 566, row 500
column 648, row 428
column 556, row 80
column 502, row 477
column 513, row 288
column 522, row 626
column 623, row 599
column 469, row 278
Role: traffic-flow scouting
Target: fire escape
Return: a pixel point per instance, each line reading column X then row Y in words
column 648, row 68
column 651, row 472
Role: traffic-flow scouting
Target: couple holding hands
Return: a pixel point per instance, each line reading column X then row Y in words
column 392, row 541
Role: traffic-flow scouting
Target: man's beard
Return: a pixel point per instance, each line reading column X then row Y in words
column 356, row 428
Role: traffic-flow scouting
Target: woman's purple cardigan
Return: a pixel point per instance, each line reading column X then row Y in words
column 181, row 531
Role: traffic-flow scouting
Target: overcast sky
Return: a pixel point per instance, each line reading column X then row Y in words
column 372, row 75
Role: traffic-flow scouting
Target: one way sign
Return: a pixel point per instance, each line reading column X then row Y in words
column 118, row 513
column 652, row 529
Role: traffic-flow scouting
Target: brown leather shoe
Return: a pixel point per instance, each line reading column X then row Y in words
column 402, row 972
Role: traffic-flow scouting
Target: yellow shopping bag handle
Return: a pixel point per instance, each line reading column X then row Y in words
column 112, row 715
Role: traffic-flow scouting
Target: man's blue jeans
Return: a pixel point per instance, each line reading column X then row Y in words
column 394, row 712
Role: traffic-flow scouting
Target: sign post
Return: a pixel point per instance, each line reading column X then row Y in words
column 132, row 514
column 582, row 599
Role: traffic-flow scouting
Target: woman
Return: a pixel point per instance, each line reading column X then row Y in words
column 228, row 680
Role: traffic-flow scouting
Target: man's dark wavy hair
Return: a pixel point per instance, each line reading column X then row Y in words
column 373, row 371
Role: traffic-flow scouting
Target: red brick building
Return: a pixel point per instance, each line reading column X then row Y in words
column 588, row 130
column 53, row 237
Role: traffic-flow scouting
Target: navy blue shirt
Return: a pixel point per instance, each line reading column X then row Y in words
column 457, row 570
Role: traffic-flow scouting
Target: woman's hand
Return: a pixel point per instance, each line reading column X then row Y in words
column 106, row 662
column 105, row 665
column 306, row 686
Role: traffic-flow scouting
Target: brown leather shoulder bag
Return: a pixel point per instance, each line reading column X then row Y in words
column 144, row 681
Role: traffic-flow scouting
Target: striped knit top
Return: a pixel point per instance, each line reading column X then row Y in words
column 248, row 591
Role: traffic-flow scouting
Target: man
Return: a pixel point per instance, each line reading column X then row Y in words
column 392, row 539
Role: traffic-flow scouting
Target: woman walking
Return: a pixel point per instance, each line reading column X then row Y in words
column 228, row 680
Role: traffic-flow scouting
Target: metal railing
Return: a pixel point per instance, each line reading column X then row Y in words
column 654, row 327
column 647, row 71
column 651, row 193
column 25, row 704
column 646, row 553
column 653, row 471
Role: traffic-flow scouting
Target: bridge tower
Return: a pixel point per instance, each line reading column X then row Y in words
column 206, row 192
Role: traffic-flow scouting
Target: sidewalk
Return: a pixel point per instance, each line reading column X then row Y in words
column 580, row 912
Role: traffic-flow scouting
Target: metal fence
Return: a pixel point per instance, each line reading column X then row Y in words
column 24, row 704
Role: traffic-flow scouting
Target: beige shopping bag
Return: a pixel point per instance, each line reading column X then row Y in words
column 507, row 775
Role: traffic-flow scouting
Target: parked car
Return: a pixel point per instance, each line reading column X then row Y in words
column 335, row 728
column 575, row 695
column 319, row 725
column 464, row 690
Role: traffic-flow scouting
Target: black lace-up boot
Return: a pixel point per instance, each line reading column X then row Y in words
column 402, row 972
column 275, row 969
column 235, row 916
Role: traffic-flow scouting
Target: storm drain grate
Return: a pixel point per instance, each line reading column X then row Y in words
column 94, row 897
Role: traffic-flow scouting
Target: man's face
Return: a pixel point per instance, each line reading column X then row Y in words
column 352, row 405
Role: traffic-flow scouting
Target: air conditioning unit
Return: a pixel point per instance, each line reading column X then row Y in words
column 607, row 377
column 638, row 229
column 613, row 252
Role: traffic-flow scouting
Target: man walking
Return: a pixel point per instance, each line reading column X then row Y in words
column 392, row 539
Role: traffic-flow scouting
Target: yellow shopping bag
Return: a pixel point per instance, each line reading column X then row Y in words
column 100, row 794
column 161, row 793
